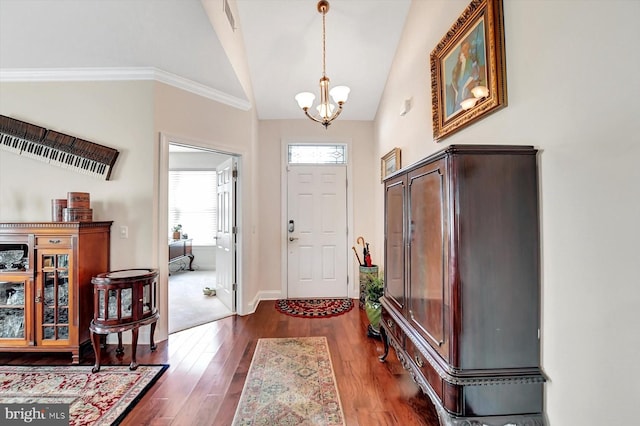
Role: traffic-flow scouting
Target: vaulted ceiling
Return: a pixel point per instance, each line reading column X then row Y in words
column 282, row 39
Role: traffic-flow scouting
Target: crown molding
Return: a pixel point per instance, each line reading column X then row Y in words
column 117, row 74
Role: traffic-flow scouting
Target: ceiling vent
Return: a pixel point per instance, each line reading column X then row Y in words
column 230, row 18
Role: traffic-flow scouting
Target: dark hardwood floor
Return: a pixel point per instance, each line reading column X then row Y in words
column 209, row 363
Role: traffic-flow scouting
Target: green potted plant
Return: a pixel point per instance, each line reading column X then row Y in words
column 373, row 292
column 176, row 231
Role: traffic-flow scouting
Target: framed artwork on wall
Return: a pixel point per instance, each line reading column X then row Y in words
column 468, row 75
column 390, row 163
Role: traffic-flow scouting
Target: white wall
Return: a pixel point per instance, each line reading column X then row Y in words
column 201, row 160
column 571, row 94
column 118, row 115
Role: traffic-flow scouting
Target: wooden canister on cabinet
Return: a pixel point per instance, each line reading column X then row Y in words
column 78, row 200
column 77, row 215
column 57, row 205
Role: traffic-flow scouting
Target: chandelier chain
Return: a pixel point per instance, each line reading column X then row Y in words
column 324, row 42
column 327, row 111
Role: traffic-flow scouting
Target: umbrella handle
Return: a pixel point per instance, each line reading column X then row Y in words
column 357, row 257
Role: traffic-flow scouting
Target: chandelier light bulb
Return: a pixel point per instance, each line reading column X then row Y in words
column 305, row 100
column 340, row 94
column 322, row 110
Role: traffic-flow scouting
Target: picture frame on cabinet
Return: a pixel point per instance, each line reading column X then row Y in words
column 468, row 74
column 389, row 163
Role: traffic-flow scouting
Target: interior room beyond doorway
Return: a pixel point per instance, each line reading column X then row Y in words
column 193, row 215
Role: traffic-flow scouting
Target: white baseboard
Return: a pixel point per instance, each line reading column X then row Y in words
column 260, row 296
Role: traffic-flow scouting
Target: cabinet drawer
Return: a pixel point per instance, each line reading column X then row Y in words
column 428, row 372
column 53, row 241
column 392, row 327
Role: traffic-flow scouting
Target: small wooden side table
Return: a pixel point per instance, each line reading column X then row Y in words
column 124, row 300
column 179, row 249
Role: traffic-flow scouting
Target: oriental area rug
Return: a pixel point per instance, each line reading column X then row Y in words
column 100, row 399
column 314, row 308
column 290, row 382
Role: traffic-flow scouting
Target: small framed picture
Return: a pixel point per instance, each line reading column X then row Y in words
column 390, row 163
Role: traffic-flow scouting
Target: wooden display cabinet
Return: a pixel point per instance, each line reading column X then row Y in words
column 46, row 298
column 124, row 300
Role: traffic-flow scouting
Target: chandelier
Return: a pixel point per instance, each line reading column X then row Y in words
column 327, row 111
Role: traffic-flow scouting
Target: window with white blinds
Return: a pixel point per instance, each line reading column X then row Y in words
column 192, row 204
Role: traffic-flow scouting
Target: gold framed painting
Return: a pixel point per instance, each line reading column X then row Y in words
column 468, row 75
column 390, row 163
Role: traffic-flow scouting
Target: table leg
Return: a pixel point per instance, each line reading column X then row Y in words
column 191, row 257
column 134, row 347
column 95, row 342
column 152, row 343
column 120, row 348
column 385, row 340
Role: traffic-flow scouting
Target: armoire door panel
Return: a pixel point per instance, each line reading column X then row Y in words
column 427, row 254
column 395, row 243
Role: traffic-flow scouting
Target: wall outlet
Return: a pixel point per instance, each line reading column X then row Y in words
column 124, row 232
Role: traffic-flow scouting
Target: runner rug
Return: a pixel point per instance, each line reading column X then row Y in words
column 314, row 308
column 100, row 399
column 290, row 382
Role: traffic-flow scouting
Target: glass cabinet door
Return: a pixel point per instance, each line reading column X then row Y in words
column 14, row 256
column 14, row 290
column 52, row 298
column 149, row 298
column 121, row 297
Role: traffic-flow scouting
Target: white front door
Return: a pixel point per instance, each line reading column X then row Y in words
column 317, row 231
column 225, row 234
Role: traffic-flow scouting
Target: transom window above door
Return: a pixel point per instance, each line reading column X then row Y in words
column 317, row 154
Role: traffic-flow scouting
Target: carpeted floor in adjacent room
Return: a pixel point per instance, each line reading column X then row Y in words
column 188, row 306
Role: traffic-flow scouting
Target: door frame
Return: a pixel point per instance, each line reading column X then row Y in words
column 162, row 206
column 352, row 292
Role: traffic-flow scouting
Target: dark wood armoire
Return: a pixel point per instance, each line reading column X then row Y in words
column 461, row 305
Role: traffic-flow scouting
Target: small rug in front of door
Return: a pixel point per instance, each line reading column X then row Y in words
column 314, row 308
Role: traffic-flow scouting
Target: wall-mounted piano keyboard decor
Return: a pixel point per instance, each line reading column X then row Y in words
column 56, row 148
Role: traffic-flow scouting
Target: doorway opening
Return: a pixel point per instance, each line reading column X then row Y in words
column 202, row 260
column 317, row 226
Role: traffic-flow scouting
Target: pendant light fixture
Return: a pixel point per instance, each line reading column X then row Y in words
column 327, row 111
